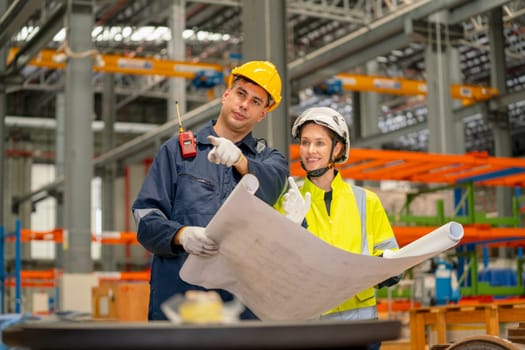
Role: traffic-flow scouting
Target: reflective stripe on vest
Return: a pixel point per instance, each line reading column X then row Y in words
column 360, row 197
column 362, row 313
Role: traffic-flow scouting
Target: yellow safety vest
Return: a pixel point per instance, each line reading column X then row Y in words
column 343, row 228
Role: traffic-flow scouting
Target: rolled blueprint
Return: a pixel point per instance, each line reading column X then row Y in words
column 283, row 272
column 441, row 239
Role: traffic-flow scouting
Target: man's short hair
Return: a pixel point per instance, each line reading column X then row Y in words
column 238, row 78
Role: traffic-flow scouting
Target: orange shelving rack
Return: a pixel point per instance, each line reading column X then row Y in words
column 432, row 168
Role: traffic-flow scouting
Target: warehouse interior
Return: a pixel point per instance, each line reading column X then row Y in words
column 433, row 93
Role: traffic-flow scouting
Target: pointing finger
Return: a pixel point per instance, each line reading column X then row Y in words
column 293, row 185
column 213, row 140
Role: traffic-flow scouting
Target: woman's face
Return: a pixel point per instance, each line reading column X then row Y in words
column 315, row 146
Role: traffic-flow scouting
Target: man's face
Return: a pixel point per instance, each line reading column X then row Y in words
column 244, row 105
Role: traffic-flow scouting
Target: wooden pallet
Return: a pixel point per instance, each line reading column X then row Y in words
column 517, row 334
column 439, row 316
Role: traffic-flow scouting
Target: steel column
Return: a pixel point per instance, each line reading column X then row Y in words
column 78, row 159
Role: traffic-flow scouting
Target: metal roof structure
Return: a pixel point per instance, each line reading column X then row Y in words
column 325, row 37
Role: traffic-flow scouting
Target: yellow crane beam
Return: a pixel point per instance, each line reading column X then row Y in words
column 122, row 64
column 399, row 86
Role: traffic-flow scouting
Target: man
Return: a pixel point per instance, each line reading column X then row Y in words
column 180, row 194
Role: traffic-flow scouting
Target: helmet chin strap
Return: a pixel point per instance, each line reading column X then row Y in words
column 321, row 171
column 317, row 172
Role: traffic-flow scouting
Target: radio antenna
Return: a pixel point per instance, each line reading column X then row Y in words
column 181, row 129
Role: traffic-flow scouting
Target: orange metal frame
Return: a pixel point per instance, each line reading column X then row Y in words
column 364, row 164
column 56, row 236
column 404, row 235
column 370, row 164
column 472, row 234
column 48, row 278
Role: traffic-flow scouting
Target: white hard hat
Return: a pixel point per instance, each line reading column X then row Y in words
column 329, row 118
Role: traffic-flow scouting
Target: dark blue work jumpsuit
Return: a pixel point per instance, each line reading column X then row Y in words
column 188, row 192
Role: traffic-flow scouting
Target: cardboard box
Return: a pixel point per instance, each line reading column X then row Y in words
column 121, row 301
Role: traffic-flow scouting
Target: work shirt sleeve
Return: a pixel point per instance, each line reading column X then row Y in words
column 152, row 208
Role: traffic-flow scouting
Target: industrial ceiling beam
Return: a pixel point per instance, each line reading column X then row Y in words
column 132, row 147
column 391, row 31
column 192, row 119
column 343, row 48
column 324, row 67
column 16, row 17
column 344, row 53
column 211, row 109
column 49, row 28
column 481, row 108
column 473, row 8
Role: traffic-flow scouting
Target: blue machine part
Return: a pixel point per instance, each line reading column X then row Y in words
column 447, row 288
column 235, row 56
column 329, row 87
column 206, row 79
column 493, row 175
column 504, row 277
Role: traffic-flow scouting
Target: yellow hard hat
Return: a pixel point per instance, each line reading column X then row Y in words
column 265, row 75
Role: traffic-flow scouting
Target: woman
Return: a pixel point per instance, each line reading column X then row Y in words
column 346, row 216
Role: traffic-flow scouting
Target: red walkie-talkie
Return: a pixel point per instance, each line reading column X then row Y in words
column 186, row 139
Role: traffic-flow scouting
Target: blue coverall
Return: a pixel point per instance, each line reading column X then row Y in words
column 188, row 192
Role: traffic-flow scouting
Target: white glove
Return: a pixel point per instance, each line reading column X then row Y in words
column 225, row 152
column 194, row 240
column 295, row 206
column 388, row 253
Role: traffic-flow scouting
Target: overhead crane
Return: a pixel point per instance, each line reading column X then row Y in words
column 107, row 63
column 468, row 94
column 112, row 63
